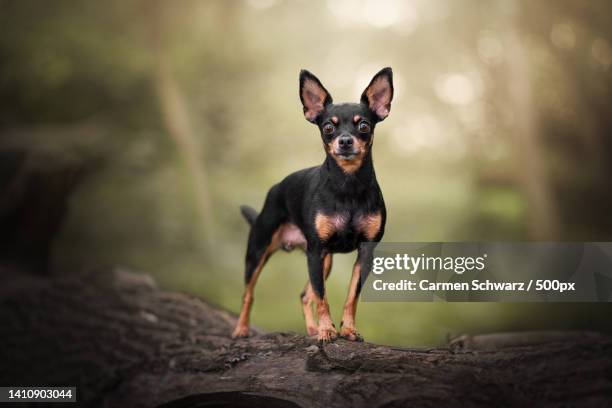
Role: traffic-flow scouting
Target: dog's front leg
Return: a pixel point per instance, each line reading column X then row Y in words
column 308, row 299
column 327, row 331
column 347, row 325
column 360, row 271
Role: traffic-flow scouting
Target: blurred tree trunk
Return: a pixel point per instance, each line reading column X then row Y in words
column 176, row 118
column 543, row 220
column 34, row 193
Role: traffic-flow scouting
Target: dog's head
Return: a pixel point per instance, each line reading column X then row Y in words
column 347, row 129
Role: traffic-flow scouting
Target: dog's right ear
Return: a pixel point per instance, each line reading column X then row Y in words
column 313, row 95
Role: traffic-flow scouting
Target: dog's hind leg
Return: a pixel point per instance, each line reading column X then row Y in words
column 264, row 240
column 307, row 299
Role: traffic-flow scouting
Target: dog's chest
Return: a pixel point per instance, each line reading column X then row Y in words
column 345, row 225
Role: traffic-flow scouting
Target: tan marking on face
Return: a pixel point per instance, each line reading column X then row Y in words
column 328, row 147
column 356, row 118
column 328, row 225
column 334, row 120
column 369, row 225
column 349, row 166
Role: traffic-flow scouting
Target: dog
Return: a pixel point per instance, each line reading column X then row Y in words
column 327, row 209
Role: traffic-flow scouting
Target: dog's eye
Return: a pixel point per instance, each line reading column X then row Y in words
column 328, row 129
column 363, row 127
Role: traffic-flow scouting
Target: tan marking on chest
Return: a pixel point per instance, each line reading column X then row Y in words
column 369, row 225
column 328, row 225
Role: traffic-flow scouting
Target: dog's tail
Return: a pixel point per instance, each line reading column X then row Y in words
column 249, row 214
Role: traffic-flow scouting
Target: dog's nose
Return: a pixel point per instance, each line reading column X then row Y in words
column 345, row 142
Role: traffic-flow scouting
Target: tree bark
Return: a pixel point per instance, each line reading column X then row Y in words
column 124, row 343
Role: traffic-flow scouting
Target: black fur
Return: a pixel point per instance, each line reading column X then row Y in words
column 249, row 214
column 326, row 189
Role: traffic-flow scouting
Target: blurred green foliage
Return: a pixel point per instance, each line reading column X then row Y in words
column 499, row 131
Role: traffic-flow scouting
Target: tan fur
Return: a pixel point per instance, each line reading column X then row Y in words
column 348, row 329
column 308, row 299
column 327, row 225
column 242, row 326
column 369, row 225
column 327, row 331
column 350, row 166
column 283, row 236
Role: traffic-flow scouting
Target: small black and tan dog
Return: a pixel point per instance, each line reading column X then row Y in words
column 325, row 209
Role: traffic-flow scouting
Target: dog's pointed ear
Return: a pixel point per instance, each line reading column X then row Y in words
column 378, row 95
column 313, row 95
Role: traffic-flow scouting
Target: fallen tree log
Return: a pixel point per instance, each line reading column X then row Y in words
column 124, row 343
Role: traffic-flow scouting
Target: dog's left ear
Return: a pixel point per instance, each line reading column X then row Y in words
column 378, row 95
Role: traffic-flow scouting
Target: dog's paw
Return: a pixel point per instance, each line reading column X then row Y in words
column 350, row 333
column 240, row 332
column 312, row 330
column 327, row 335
